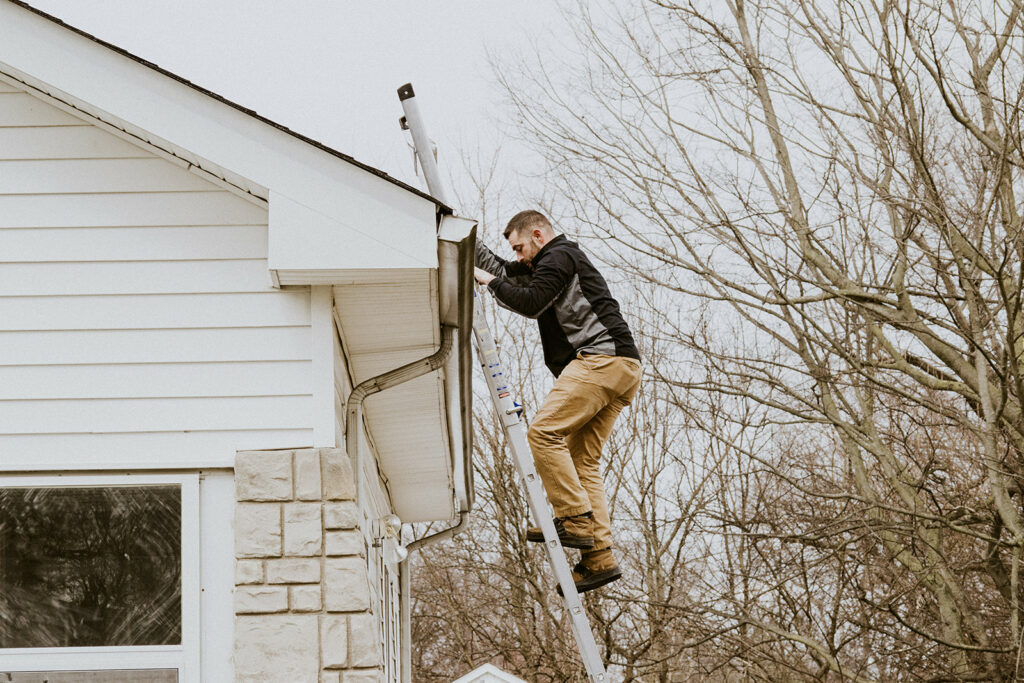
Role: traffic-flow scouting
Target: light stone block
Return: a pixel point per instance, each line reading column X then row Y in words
column 334, row 641
column 293, row 571
column 346, row 586
column 366, row 676
column 263, row 475
column 331, row 677
column 343, row 515
column 307, row 475
column 343, row 543
column 303, row 534
column 260, row 599
column 337, row 472
column 276, row 648
column 248, row 572
column 305, row 598
column 257, row 530
column 363, row 640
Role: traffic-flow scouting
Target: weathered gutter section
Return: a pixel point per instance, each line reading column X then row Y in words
column 455, row 254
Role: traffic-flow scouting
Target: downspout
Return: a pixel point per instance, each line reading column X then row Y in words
column 353, row 426
column 354, row 412
column 405, row 586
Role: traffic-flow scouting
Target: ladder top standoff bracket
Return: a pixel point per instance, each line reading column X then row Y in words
column 404, row 93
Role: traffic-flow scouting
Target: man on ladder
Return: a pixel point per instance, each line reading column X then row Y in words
column 589, row 348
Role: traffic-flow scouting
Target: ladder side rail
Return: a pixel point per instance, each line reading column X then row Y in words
column 515, row 433
column 589, row 652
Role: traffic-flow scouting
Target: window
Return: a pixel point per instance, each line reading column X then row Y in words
column 98, row 574
column 90, row 566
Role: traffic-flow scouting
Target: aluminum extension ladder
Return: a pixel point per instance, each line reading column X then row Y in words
column 510, row 415
column 514, row 426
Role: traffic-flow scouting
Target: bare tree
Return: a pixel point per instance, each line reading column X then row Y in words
column 487, row 595
column 824, row 197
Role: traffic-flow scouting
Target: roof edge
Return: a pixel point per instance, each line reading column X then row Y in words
column 442, row 207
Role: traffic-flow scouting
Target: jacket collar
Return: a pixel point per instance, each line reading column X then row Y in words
column 556, row 240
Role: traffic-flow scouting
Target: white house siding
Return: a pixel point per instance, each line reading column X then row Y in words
column 138, row 325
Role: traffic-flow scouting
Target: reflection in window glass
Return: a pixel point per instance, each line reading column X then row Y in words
column 90, row 566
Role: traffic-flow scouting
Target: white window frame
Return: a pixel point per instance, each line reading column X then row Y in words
column 184, row 657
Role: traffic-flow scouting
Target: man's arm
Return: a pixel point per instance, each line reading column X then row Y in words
column 495, row 265
column 548, row 281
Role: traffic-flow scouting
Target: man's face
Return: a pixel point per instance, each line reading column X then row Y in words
column 526, row 244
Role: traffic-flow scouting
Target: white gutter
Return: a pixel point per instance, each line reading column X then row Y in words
column 456, row 247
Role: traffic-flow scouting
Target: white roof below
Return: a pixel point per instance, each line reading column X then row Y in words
column 488, row 673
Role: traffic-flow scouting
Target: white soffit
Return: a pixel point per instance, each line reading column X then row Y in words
column 388, row 320
column 413, row 448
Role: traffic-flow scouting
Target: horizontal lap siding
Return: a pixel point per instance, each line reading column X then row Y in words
column 163, row 345
column 129, row 450
column 138, row 326
column 40, row 245
column 185, row 379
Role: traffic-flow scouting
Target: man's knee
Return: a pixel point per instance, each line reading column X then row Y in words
column 541, row 433
column 533, row 434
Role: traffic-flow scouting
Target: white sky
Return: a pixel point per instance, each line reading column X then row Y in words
column 331, row 69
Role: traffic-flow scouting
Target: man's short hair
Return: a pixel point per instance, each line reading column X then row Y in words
column 526, row 220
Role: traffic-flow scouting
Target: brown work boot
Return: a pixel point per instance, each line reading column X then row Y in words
column 594, row 570
column 573, row 532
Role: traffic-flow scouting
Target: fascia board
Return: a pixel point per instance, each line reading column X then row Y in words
column 134, row 97
column 456, row 249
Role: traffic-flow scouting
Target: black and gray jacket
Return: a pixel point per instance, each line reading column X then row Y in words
column 567, row 296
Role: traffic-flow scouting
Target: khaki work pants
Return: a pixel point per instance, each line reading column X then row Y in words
column 569, row 431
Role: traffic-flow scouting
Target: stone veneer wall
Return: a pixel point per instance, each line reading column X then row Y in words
column 302, row 600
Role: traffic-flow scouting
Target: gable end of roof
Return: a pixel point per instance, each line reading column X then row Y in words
column 442, row 207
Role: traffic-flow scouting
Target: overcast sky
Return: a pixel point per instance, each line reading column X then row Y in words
column 330, row 68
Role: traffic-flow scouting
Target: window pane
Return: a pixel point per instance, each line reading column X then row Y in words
column 90, row 566
column 120, row 676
